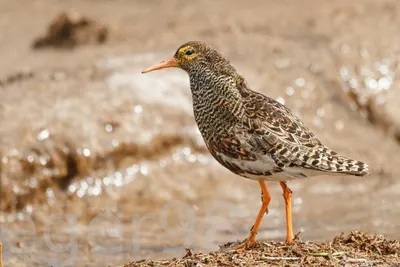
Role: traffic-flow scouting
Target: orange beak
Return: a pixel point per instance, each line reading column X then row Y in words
column 169, row 63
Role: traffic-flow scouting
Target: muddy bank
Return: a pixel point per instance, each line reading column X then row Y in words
column 354, row 249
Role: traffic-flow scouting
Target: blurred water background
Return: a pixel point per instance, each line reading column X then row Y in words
column 103, row 165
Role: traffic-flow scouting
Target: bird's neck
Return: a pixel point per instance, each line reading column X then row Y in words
column 209, row 84
column 217, row 94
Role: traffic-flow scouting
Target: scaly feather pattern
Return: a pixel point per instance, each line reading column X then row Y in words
column 251, row 134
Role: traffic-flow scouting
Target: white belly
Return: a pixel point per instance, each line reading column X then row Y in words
column 263, row 164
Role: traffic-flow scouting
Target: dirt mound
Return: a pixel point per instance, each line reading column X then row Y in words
column 68, row 31
column 354, row 249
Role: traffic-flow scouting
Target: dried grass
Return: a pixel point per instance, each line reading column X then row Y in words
column 354, row 249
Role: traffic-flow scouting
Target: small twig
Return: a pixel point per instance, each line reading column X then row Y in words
column 280, row 258
column 338, row 253
column 297, row 236
column 268, row 245
column 358, row 260
column 326, row 254
column 377, row 249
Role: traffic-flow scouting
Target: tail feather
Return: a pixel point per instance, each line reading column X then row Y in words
column 324, row 159
column 348, row 166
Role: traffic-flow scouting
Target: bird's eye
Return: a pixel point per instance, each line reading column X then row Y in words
column 189, row 52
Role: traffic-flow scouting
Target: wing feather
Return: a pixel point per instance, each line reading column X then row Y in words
column 274, row 129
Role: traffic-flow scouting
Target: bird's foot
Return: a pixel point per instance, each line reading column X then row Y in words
column 247, row 243
column 289, row 239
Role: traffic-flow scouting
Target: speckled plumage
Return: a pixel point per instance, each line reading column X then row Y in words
column 251, row 134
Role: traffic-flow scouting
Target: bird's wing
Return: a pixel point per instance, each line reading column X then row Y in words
column 274, row 129
column 267, row 116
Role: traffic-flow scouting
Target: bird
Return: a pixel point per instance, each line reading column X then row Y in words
column 251, row 134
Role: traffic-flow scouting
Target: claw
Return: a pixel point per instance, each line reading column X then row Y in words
column 246, row 244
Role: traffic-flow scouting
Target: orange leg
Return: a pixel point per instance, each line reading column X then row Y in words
column 266, row 198
column 287, row 195
column 262, row 200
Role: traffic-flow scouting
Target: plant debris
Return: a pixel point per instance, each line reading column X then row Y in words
column 67, row 31
column 354, row 249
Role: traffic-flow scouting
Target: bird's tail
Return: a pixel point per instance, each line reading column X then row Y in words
column 325, row 159
column 349, row 166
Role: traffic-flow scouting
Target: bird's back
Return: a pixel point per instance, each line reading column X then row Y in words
column 269, row 140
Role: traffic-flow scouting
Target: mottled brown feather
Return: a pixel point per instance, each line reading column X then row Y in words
column 244, row 129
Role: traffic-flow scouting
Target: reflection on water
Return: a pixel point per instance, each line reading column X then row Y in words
column 372, row 90
column 90, row 186
column 370, row 80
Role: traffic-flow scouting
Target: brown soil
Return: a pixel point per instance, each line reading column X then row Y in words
column 354, row 249
column 67, row 31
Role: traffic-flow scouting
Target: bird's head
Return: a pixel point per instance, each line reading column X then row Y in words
column 193, row 56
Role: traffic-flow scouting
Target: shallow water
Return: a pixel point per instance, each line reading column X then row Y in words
column 103, row 165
